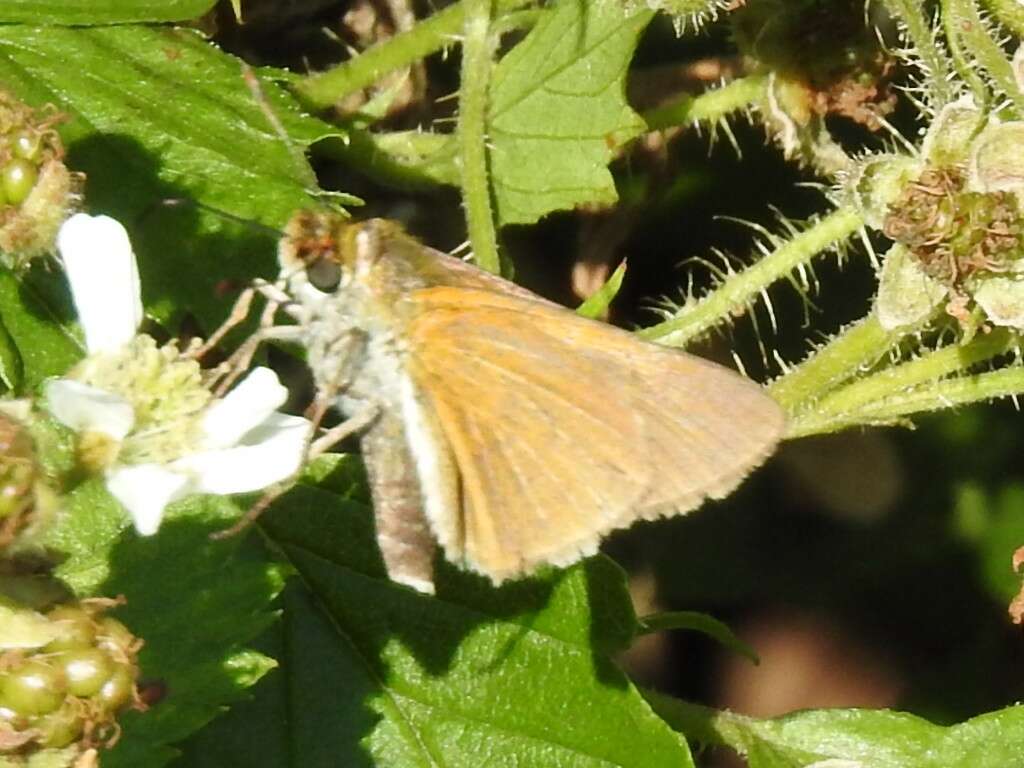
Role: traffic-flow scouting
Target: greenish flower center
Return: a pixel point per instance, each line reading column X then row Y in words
column 163, row 387
column 956, row 234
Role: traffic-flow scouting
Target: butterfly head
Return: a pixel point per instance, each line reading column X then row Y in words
column 323, row 251
column 325, row 255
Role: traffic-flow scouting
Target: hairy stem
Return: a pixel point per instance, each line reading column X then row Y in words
column 477, row 54
column 921, row 37
column 1010, row 14
column 966, row 28
column 856, row 348
column 916, row 386
column 937, row 396
column 953, row 20
column 930, row 367
column 440, row 30
column 709, row 106
column 737, row 291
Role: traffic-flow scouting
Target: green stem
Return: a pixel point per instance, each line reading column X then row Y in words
column 921, row 39
column 950, row 393
column 323, row 90
column 977, row 36
column 914, row 388
column 930, row 367
column 736, row 293
column 952, row 20
column 1010, row 14
column 856, row 348
column 477, row 53
column 709, row 106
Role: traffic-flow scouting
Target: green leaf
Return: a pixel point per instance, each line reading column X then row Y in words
column 100, row 11
column 699, row 622
column 35, row 324
column 597, row 305
column 159, row 113
column 866, row 738
column 558, row 112
column 195, row 602
column 375, row 674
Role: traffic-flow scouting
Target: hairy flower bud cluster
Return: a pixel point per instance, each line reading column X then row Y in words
column 957, row 224
column 37, row 192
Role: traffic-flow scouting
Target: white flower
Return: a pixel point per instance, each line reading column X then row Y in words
column 143, row 416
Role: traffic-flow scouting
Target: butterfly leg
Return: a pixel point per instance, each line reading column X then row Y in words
column 347, row 428
column 270, row 495
column 239, row 312
column 229, row 372
column 273, row 292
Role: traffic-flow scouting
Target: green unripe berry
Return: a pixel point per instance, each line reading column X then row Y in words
column 117, row 691
column 18, row 178
column 34, row 688
column 86, row 670
column 75, row 627
column 114, row 637
column 27, row 145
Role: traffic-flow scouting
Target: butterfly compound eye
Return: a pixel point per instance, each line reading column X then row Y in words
column 324, row 274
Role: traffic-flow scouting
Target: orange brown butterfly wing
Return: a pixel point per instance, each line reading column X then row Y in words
column 562, row 429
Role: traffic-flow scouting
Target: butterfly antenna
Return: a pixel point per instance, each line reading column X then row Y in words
column 185, row 202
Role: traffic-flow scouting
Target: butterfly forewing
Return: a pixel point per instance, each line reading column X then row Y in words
column 563, row 429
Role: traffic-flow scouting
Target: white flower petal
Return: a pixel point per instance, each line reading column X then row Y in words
column 243, row 408
column 270, row 453
column 145, row 490
column 283, row 429
column 104, row 279
column 89, row 409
